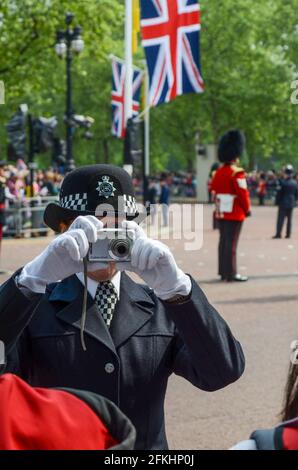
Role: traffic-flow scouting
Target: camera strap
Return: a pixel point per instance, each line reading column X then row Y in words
column 84, row 309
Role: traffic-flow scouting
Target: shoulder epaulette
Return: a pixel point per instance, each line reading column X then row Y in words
column 237, row 170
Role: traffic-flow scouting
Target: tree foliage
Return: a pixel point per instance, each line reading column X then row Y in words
column 248, row 50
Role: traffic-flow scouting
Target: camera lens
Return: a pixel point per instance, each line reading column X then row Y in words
column 122, row 249
column 119, row 248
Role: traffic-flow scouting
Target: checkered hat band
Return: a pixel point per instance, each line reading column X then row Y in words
column 130, row 205
column 79, row 202
column 76, row 202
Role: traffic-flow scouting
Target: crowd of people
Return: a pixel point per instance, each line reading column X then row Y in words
column 18, row 184
column 180, row 184
column 17, row 187
column 264, row 185
column 47, row 182
column 162, row 187
column 18, row 213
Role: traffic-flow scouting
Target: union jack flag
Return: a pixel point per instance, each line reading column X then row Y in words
column 170, row 36
column 118, row 96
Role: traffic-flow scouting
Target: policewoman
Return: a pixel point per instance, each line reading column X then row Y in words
column 232, row 203
column 136, row 335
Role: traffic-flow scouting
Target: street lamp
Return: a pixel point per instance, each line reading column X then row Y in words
column 69, row 42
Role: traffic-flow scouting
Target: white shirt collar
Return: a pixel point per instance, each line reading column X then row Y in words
column 92, row 285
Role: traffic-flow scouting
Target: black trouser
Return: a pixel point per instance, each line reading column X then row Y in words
column 261, row 199
column 229, row 235
column 282, row 214
column 214, row 221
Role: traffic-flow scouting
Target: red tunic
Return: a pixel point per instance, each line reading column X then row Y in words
column 262, row 188
column 231, row 180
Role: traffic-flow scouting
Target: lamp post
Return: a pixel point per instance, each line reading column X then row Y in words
column 69, row 41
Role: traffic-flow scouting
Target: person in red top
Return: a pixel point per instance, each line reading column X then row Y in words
column 262, row 189
column 35, row 418
column 232, row 202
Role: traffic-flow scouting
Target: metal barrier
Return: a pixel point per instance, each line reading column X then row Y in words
column 25, row 216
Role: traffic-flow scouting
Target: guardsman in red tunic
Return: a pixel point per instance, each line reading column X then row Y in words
column 232, row 202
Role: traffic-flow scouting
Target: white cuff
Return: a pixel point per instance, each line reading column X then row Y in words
column 33, row 284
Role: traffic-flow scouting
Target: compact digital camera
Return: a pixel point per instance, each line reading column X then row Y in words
column 112, row 245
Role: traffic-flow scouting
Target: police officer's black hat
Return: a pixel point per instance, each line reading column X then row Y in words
column 231, row 146
column 94, row 190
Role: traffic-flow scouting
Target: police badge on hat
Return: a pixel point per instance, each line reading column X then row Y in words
column 106, row 187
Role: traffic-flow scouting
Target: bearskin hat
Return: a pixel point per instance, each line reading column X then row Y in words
column 231, row 146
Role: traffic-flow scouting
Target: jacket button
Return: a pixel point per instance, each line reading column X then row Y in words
column 109, row 367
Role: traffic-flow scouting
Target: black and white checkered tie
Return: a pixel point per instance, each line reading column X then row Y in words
column 106, row 299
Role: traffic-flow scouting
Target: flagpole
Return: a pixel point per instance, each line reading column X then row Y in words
column 128, row 77
column 128, row 60
column 146, row 136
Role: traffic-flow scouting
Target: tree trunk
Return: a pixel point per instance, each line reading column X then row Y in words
column 190, row 163
column 251, row 161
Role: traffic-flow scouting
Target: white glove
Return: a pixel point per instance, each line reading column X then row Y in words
column 155, row 264
column 249, row 444
column 63, row 257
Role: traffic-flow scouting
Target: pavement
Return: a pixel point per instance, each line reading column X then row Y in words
column 262, row 314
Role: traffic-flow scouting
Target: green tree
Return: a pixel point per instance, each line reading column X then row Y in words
column 248, row 53
column 34, row 74
column 248, row 50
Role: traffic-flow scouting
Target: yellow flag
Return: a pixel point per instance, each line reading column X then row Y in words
column 135, row 24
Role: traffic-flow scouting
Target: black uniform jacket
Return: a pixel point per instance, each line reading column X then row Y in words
column 129, row 364
column 288, row 194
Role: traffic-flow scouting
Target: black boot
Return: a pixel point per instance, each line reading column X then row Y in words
column 237, row 278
